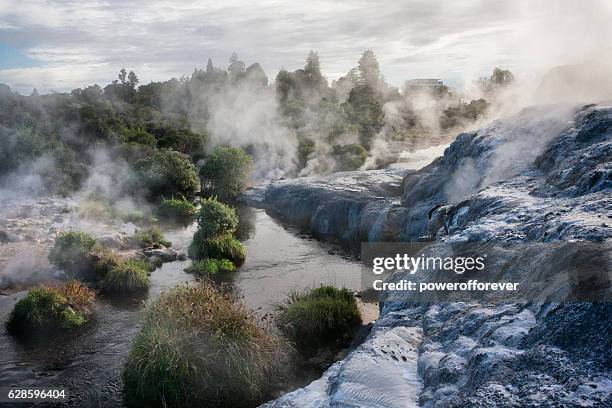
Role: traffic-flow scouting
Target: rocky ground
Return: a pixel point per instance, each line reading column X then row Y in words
column 539, row 182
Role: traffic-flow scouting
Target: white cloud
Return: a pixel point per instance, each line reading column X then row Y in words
column 86, row 42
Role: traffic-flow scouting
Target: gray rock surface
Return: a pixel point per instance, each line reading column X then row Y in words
column 541, row 180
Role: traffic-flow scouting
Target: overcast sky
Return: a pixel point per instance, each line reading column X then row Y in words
column 60, row 45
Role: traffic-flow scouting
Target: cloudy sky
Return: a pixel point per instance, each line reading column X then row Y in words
column 60, row 45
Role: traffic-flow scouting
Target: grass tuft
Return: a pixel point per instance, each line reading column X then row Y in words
column 222, row 247
column 131, row 275
column 211, row 267
column 324, row 317
column 46, row 308
column 150, row 237
column 199, row 347
column 178, row 211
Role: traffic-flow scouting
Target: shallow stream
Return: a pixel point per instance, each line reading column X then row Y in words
column 88, row 362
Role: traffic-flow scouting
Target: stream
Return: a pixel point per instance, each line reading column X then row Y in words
column 88, row 361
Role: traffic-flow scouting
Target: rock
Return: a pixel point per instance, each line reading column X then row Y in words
column 540, row 182
column 165, row 254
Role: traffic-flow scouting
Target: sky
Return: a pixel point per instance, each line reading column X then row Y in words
column 62, row 45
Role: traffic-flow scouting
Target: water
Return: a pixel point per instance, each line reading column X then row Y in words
column 88, row 362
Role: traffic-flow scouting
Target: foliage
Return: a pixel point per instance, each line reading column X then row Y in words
column 225, row 172
column 130, row 275
column 150, row 237
column 177, row 210
column 211, row 267
column 45, row 308
column 199, row 347
column 305, row 148
column 321, row 317
column 349, row 156
column 364, row 108
column 215, row 218
column 167, row 173
column 71, row 252
column 219, row 247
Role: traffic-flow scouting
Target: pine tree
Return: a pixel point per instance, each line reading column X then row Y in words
column 209, row 66
column 369, row 70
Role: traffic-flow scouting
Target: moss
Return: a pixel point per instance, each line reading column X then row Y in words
column 223, row 247
column 319, row 318
column 131, row 275
column 211, row 267
column 198, row 347
column 178, row 211
column 149, row 237
column 49, row 308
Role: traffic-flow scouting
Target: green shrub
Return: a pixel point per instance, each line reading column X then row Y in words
column 211, row 267
column 72, row 253
column 226, row 172
column 200, row 348
column 222, row 247
column 318, row 318
column 149, row 237
column 175, row 210
column 349, row 156
column 215, row 218
column 131, row 275
column 45, row 307
column 167, row 173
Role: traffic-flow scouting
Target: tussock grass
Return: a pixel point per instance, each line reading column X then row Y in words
column 46, row 308
column 150, row 237
column 222, row 247
column 199, row 347
column 324, row 317
column 131, row 275
column 72, row 253
column 211, row 267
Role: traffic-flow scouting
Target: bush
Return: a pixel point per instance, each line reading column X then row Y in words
column 149, row 237
column 349, row 156
column 167, row 173
column 226, row 172
column 215, row 218
column 322, row 317
column 211, row 267
column 222, row 247
column 45, row 308
column 198, row 347
column 131, row 275
column 72, row 253
column 179, row 211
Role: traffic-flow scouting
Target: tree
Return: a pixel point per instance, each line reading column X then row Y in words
column 209, row 66
column 122, row 75
column 132, row 80
column 233, row 58
column 369, row 70
column 312, row 72
column 225, row 172
column 167, row 173
column 364, row 108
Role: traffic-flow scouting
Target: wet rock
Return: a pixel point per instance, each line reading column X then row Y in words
column 165, row 254
column 542, row 180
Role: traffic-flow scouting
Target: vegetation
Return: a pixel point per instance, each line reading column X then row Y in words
column 319, row 318
column 199, row 347
column 150, row 237
column 349, row 157
column 130, row 275
column 167, row 173
column 219, row 247
column 225, row 172
column 72, row 252
column 177, row 210
column 51, row 308
column 215, row 219
column 211, row 267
